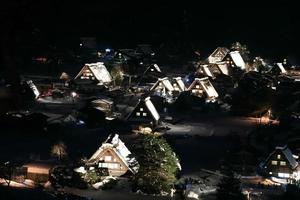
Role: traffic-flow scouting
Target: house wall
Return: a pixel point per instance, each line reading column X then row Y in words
column 229, row 62
column 87, row 74
column 278, row 163
column 197, row 90
column 110, row 160
column 142, row 115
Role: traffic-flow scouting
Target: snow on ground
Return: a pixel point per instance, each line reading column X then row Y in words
column 26, row 184
column 201, row 184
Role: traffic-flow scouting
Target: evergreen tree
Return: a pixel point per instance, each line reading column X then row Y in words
column 158, row 165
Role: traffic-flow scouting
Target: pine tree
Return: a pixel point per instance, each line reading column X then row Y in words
column 158, row 165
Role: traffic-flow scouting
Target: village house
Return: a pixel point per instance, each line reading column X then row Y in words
column 162, row 87
column 218, row 55
column 114, row 156
column 202, row 87
column 95, row 72
column 178, row 84
column 278, row 69
column 234, row 59
column 150, row 75
column 282, row 164
column 154, row 68
column 103, row 104
column 33, row 88
column 144, row 113
column 212, row 70
column 285, row 68
column 38, row 171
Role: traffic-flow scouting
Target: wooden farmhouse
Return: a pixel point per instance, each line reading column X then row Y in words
column 114, row 156
column 144, row 113
column 94, row 72
column 178, row 84
column 162, row 87
column 202, row 87
column 281, row 163
column 234, row 59
column 218, row 55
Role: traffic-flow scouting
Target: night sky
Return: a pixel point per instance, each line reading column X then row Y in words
column 268, row 29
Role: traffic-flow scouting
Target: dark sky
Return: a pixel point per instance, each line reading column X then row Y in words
column 271, row 27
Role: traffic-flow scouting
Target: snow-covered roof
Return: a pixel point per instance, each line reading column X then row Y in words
column 165, row 82
column 180, row 83
column 206, row 85
column 153, row 67
column 289, row 156
column 281, row 67
column 237, row 59
column 157, row 67
column 218, row 55
column 207, row 71
column 118, row 146
column 99, row 71
column 106, row 101
column 147, row 104
column 151, row 108
column 33, row 88
column 223, row 68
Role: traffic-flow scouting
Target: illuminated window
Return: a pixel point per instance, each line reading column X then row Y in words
column 103, row 165
column 283, row 175
column 197, row 86
column 107, row 158
column 144, row 114
column 141, row 109
column 138, row 114
column 282, row 163
column 274, row 162
column 278, row 156
column 152, row 70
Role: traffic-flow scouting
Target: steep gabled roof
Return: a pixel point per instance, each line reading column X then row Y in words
column 33, row 88
column 287, row 154
column 281, row 67
column 165, row 82
column 218, row 55
column 180, row 83
column 98, row 70
column 207, row 71
column 237, row 59
column 117, row 145
column 206, row 85
column 149, row 105
column 153, row 68
column 223, row 68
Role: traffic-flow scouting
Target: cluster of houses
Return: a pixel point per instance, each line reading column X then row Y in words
column 136, row 103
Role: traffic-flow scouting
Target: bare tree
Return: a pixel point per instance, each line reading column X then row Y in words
column 59, row 150
column 6, row 172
